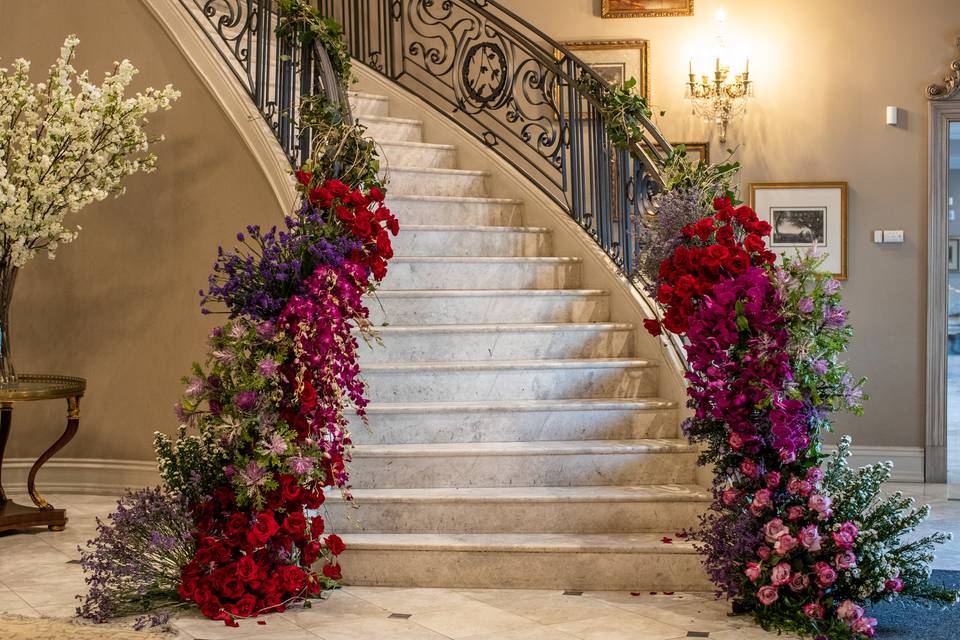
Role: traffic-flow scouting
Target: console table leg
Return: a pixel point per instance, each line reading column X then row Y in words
column 6, row 413
column 73, row 423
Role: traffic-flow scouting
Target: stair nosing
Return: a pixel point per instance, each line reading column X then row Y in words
column 491, row 259
column 540, row 495
column 579, row 543
column 526, row 449
column 504, row 327
column 480, row 173
column 419, row 145
column 475, row 228
column 544, row 364
column 454, row 293
column 437, row 198
column 389, row 119
column 513, row 406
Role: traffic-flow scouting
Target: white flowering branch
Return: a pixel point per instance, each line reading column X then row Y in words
column 65, row 143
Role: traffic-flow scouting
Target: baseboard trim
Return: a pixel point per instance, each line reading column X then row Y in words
column 907, row 461
column 95, row 476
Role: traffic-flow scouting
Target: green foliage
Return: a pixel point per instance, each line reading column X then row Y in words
column 304, row 24
column 884, row 522
column 709, row 180
column 191, row 465
column 624, row 112
column 340, row 149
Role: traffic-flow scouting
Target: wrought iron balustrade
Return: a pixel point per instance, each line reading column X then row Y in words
column 275, row 72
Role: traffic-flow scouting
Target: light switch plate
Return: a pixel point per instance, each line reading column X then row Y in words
column 878, row 236
column 893, row 235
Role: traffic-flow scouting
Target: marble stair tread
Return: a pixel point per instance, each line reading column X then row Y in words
column 433, row 171
column 635, row 543
column 416, row 145
column 368, row 119
column 497, row 406
column 451, row 199
column 519, row 449
column 532, row 327
column 636, row 493
column 501, row 365
column 477, row 228
column 483, row 272
column 489, row 259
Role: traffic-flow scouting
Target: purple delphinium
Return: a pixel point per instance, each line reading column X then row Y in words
column 258, row 278
column 133, row 564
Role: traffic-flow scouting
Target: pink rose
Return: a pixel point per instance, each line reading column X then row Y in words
column 825, row 515
column 767, row 595
column 749, row 468
column 752, row 571
column 810, row 537
column 842, row 539
column 814, row 475
column 730, row 496
column 773, row 479
column 774, row 529
column 794, row 513
column 849, row 611
column 735, row 440
column 780, row 574
column 788, row 455
column 799, row 487
column 826, row 576
column 819, row 503
column 761, row 500
column 799, row 582
column 894, row 584
column 784, row 545
column 764, row 552
column 849, row 529
column 845, row 560
column 864, row 626
column 813, row 610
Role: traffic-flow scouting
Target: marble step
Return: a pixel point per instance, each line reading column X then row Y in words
column 511, row 380
column 387, row 129
column 451, row 343
column 449, row 210
column 603, row 509
column 472, row 240
column 368, row 104
column 418, row 154
column 442, row 272
column 463, row 183
column 517, row 420
column 620, row 562
column 473, row 306
column 524, row 464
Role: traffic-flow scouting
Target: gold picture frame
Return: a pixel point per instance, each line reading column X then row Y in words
column 804, row 213
column 645, row 8
column 599, row 55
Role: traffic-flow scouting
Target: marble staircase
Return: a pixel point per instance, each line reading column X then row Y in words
column 515, row 438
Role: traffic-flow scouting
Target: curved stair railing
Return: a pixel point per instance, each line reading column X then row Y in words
column 499, row 78
column 275, row 72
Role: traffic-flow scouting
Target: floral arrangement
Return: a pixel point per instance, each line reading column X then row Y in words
column 798, row 539
column 67, row 142
column 263, row 428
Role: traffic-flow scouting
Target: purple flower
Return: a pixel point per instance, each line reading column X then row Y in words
column 301, row 465
column 805, row 305
column 267, row 367
column 253, row 475
column 195, row 388
column 245, row 400
column 276, row 445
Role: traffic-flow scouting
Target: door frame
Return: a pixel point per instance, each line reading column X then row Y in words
column 944, row 109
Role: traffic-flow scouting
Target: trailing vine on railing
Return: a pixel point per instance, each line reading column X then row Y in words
column 303, row 23
column 623, row 111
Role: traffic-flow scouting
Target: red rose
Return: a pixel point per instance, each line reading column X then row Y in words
column 263, row 528
column 332, row 571
column 247, row 568
column 652, row 326
column 721, row 203
column 704, row 228
column 716, row 253
column 376, row 194
column 321, row 196
column 379, row 267
column 313, row 499
column 738, row 262
column 754, row 243
column 245, row 606
column 725, row 235
column 345, row 214
column 237, row 525
column 334, row 544
column 316, row 526
column 745, row 215
column 675, row 321
column 311, row 551
column 232, row 587
column 304, row 177
column 688, row 231
column 289, row 488
column 686, row 286
column 339, row 189
column 295, row 524
column 356, row 199
column 761, row 228
column 292, row 579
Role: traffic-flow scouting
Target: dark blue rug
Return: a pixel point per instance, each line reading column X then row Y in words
column 905, row 621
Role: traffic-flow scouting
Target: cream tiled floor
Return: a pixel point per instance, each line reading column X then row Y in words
column 39, row 575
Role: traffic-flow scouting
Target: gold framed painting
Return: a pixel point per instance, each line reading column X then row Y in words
column 645, row 8
column 803, row 215
column 615, row 60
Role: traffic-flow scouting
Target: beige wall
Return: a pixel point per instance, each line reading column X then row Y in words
column 120, row 305
column 824, row 72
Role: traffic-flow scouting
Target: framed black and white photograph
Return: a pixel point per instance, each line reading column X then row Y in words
column 798, row 227
column 803, row 215
column 953, row 254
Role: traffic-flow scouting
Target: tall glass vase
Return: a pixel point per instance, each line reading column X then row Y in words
column 8, row 278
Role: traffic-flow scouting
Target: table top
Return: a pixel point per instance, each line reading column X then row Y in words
column 31, row 386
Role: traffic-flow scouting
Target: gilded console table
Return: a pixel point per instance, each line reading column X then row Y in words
column 31, row 388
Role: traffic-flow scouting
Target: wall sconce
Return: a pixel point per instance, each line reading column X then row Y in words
column 724, row 97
